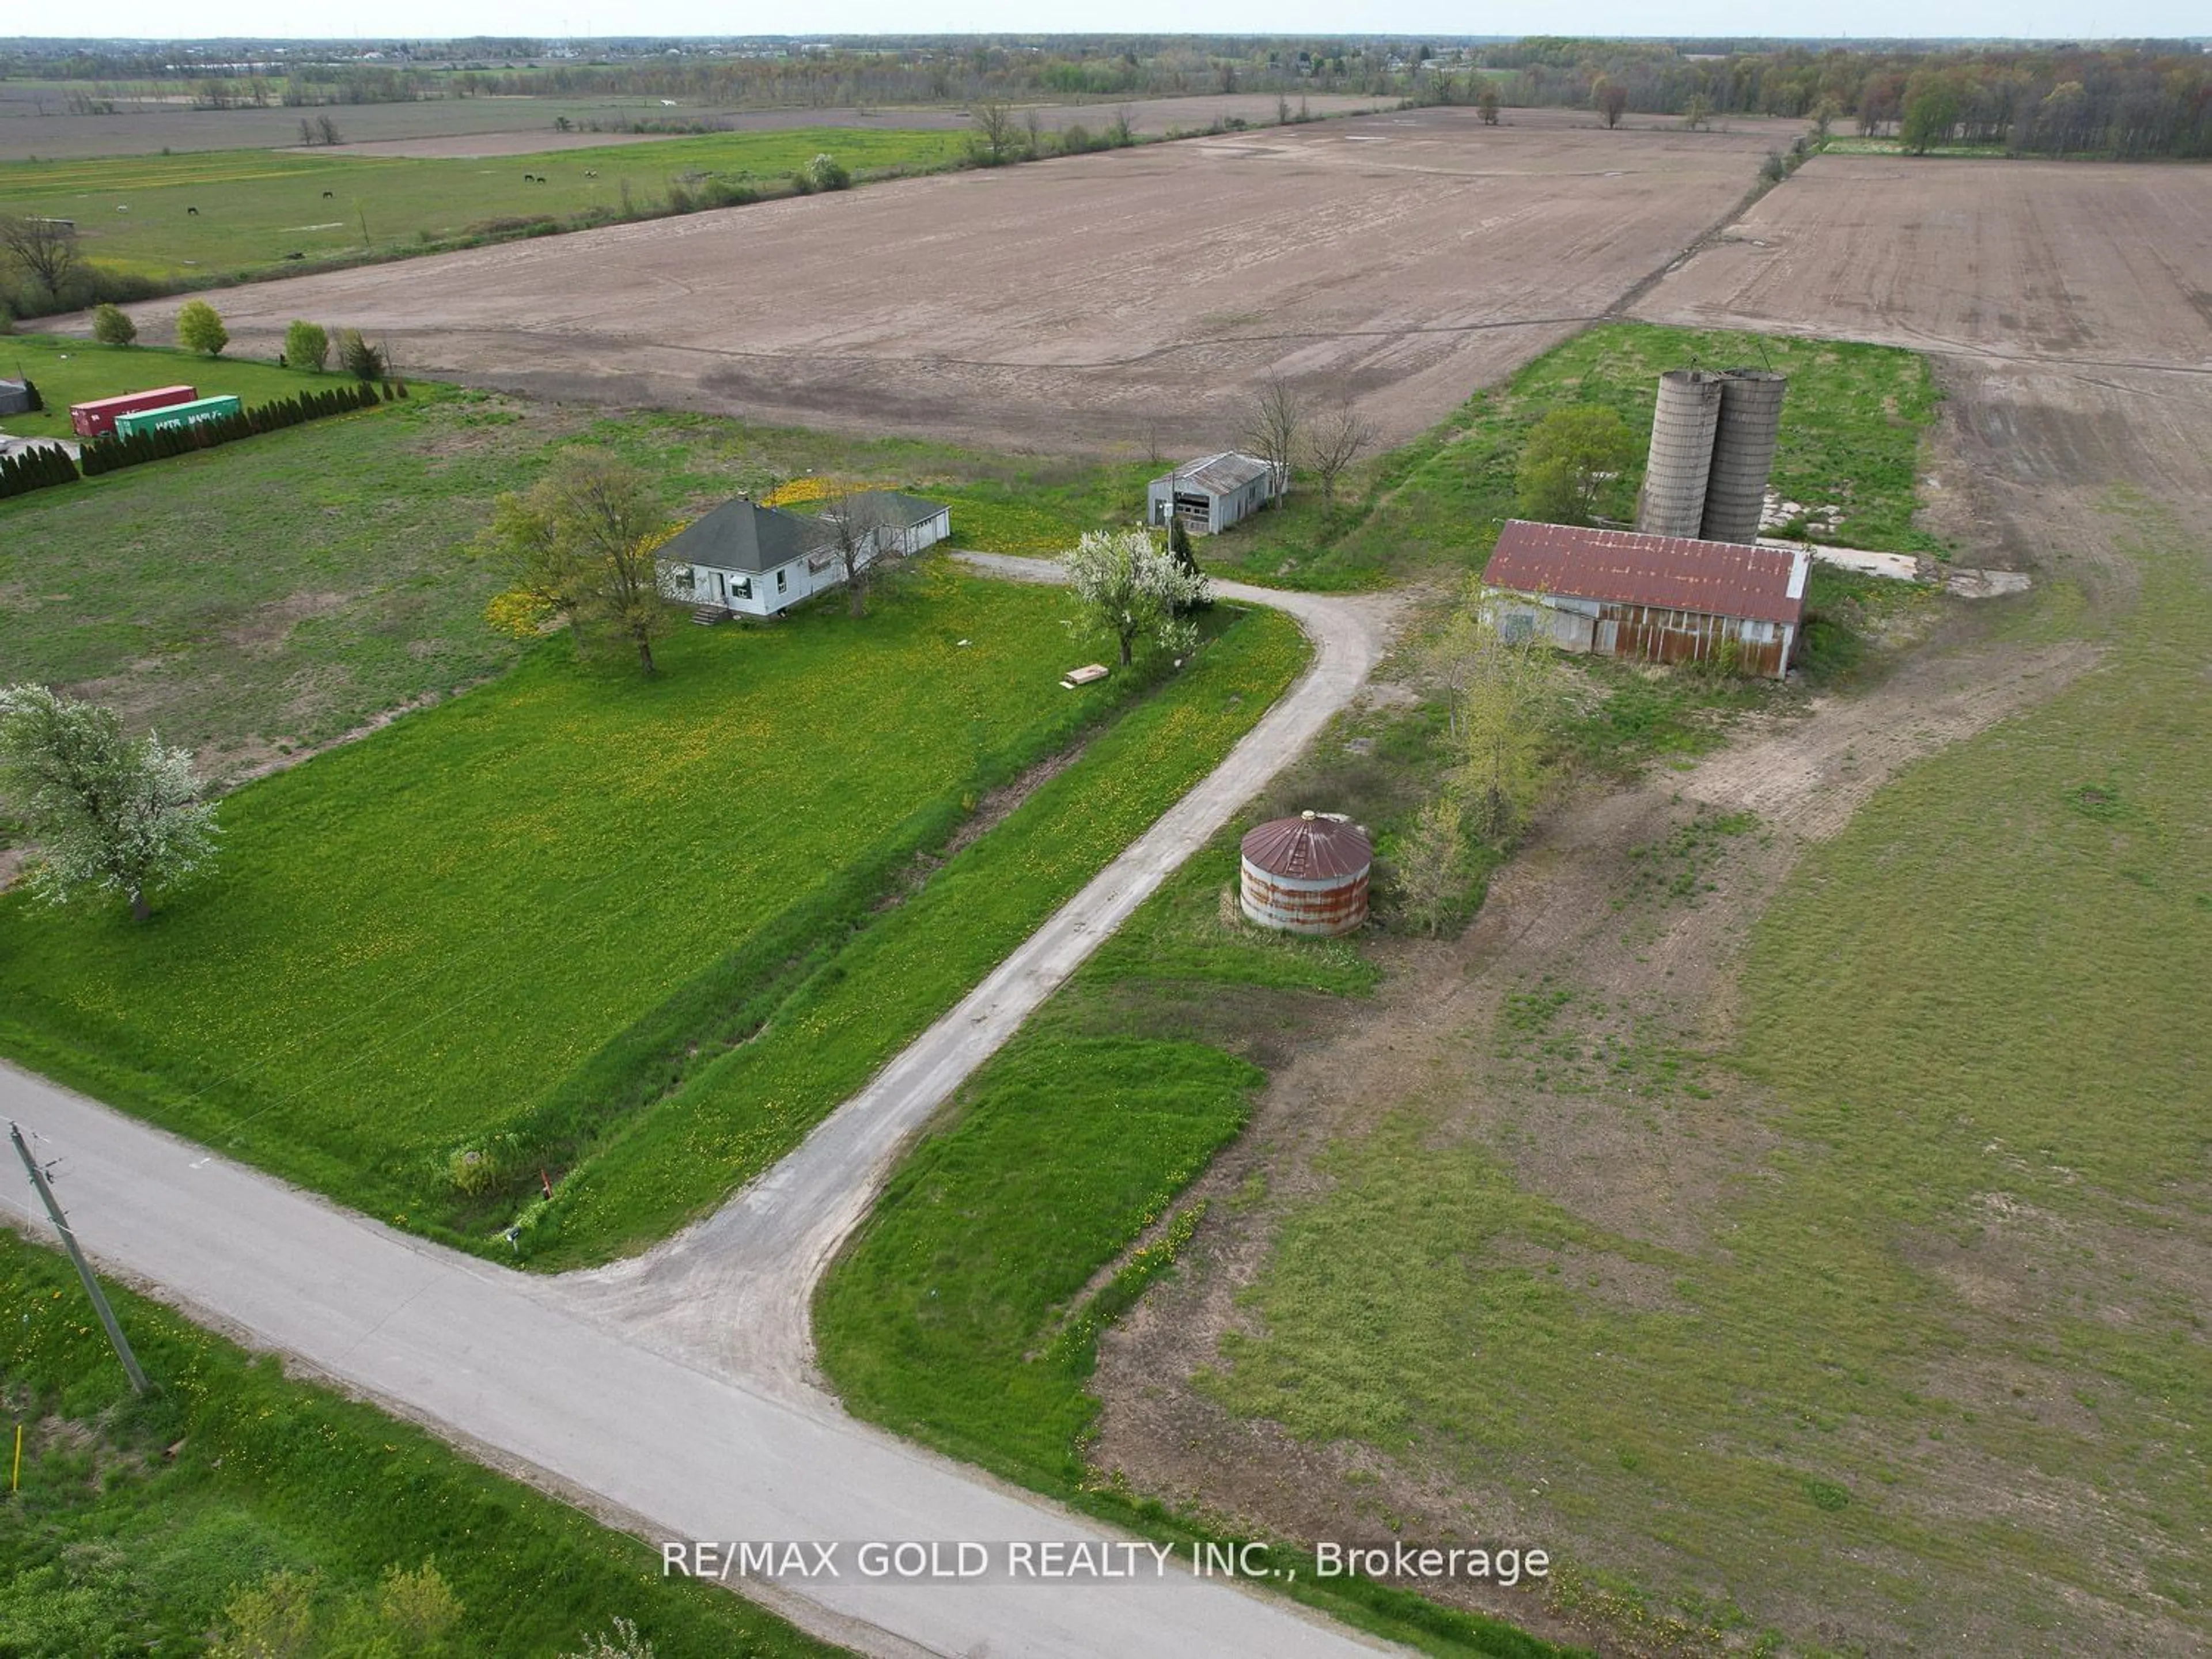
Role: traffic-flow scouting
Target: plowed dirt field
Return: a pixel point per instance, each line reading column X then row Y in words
column 1079, row 305
column 2044, row 260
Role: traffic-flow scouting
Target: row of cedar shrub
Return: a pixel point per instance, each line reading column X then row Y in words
column 44, row 466
column 36, row 468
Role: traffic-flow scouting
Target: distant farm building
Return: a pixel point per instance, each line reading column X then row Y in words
column 1657, row 598
column 759, row 560
column 1212, row 493
column 1307, row 874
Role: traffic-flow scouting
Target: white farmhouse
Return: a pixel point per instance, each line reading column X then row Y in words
column 761, row 560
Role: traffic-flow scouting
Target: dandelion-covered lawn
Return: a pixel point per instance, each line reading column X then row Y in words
column 411, row 942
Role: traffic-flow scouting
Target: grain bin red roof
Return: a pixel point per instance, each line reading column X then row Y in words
column 1624, row 567
column 1311, row 848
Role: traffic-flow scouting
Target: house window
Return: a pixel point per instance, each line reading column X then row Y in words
column 741, row 587
column 782, row 580
column 685, row 578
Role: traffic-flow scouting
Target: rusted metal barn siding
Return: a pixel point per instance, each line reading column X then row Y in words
column 1650, row 633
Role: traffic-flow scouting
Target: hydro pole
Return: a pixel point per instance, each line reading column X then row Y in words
column 84, row 1267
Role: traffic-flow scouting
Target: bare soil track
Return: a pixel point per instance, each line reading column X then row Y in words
column 2061, row 301
column 1074, row 305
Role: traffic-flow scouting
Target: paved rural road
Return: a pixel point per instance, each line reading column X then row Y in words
column 676, row 1393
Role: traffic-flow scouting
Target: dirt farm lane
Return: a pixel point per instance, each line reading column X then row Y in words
column 674, row 1395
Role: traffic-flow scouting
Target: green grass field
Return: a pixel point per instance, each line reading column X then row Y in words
column 1851, row 436
column 413, row 939
column 138, row 1519
column 1946, row 1328
column 272, row 595
column 257, row 206
column 967, row 1311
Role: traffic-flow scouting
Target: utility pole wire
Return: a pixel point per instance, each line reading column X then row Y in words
column 138, row 1384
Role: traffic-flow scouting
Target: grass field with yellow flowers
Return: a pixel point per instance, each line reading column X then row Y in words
column 630, row 937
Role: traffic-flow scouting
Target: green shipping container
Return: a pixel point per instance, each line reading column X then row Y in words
column 190, row 414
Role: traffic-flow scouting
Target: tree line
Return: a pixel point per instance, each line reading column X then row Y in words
column 2146, row 100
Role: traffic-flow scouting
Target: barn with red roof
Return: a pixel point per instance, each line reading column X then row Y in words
column 1654, row 598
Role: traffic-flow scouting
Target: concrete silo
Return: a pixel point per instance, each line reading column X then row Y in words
column 1307, row 874
column 1743, row 454
column 1673, row 500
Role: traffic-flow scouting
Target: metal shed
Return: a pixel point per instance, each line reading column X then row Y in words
column 1661, row 599
column 1211, row 493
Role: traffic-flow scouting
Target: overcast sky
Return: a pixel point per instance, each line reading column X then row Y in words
column 441, row 19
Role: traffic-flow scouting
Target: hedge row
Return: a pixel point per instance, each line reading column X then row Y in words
column 35, row 468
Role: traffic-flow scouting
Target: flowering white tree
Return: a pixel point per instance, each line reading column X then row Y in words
column 108, row 812
column 1130, row 586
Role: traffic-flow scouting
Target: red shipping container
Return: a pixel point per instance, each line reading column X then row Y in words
column 97, row 419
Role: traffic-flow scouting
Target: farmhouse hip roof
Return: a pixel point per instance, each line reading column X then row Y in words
column 1216, row 475
column 742, row 535
column 1626, row 566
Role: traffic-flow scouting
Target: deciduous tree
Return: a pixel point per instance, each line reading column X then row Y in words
column 44, row 250
column 1931, row 112
column 199, row 328
column 1571, row 458
column 1341, row 436
column 111, row 325
column 1431, row 863
column 106, row 813
column 579, row 549
column 1508, row 705
column 307, row 345
column 1275, row 429
column 1129, row 585
column 865, row 542
column 1609, row 97
column 993, row 139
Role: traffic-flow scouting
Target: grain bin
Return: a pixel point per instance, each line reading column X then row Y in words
column 1307, row 874
column 1743, row 455
column 1673, row 500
